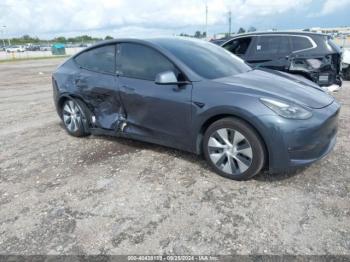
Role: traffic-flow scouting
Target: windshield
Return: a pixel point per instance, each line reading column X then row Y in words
column 205, row 59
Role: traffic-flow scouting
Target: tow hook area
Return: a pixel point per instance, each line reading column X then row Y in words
column 121, row 124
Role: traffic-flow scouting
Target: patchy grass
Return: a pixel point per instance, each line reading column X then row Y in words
column 33, row 58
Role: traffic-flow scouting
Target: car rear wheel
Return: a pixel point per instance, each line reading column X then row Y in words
column 73, row 117
column 233, row 149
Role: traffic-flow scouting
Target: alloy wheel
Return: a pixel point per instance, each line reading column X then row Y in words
column 71, row 116
column 230, row 151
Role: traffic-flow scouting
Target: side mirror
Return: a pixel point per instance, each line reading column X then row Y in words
column 168, row 78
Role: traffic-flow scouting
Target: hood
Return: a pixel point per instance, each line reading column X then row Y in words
column 281, row 85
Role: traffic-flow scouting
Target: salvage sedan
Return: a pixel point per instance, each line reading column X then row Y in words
column 196, row 96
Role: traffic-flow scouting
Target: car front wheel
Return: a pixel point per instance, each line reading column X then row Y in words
column 233, row 149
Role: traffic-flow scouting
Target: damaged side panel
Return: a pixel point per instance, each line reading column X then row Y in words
column 101, row 94
column 321, row 69
column 313, row 56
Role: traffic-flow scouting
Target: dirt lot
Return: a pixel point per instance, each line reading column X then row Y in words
column 65, row 195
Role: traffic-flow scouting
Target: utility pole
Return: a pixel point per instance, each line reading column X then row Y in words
column 8, row 40
column 206, row 19
column 229, row 22
column 2, row 36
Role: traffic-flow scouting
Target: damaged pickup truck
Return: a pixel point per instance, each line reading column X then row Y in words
column 311, row 55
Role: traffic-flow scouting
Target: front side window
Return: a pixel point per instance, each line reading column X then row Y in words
column 238, row 46
column 300, row 43
column 142, row 62
column 100, row 59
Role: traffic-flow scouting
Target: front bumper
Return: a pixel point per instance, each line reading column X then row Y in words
column 310, row 155
column 297, row 143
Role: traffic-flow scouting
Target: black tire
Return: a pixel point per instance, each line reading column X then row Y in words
column 78, row 115
column 251, row 139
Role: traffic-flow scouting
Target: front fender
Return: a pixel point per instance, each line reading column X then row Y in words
column 210, row 116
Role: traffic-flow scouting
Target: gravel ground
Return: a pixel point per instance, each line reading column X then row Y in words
column 103, row 195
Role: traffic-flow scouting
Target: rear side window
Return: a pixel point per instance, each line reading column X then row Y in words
column 142, row 62
column 271, row 47
column 268, row 45
column 238, row 46
column 100, row 59
column 300, row 43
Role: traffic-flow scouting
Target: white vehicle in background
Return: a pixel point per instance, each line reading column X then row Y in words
column 15, row 48
column 346, row 64
column 45, row 48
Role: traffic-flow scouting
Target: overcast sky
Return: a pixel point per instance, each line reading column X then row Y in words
column 121, row 18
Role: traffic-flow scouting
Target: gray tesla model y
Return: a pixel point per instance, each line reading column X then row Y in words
column 196, row 96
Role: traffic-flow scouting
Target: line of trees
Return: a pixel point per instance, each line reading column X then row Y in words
column 241, row 30
column 25, row 39
column 199, row 34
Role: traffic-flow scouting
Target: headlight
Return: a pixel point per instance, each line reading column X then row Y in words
column 285, row 109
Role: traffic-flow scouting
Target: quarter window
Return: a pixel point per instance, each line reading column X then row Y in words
column 100, row 59
column 138, row 61
column 300, row 43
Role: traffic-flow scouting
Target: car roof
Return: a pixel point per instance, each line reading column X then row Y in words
column 155, row 42
column 148, row 40
column 158, row 44
column 295, row 32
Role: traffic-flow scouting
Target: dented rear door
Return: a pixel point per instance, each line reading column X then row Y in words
column 97, row 83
